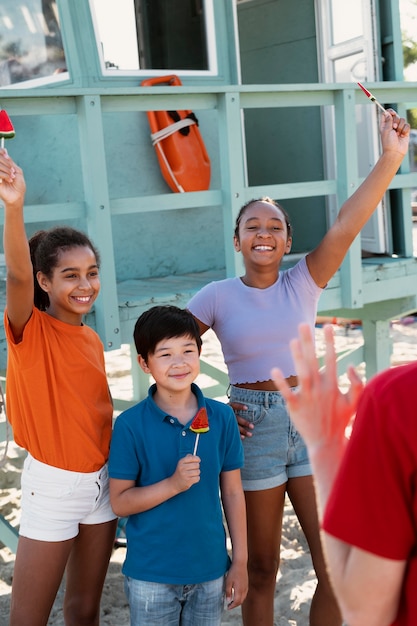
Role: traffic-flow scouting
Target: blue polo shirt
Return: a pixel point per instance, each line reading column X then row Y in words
column 183, row 540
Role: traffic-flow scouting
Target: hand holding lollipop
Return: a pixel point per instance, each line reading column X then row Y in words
column 199, row 425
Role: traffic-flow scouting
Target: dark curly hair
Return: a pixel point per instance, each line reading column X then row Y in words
column 45, row 249
column 269, row 201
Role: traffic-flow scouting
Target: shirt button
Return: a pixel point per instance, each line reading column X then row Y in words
column 183, row 433
column 171, row 420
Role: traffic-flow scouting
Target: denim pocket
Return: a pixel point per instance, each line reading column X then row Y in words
column 254, row 413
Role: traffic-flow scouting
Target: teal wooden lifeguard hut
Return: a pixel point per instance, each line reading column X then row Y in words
column 273, row 84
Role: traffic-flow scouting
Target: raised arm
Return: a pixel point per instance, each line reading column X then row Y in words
column 326, row 259
column 367, row 586
column 19, row 285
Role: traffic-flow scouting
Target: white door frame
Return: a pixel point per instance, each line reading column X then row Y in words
column 348, row 51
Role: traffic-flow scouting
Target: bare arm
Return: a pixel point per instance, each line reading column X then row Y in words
column 203, row 327
column 245, row 427
column 235, row 511
column 19, row 286
column 367, row 586
column 326, row 259
column 127, row 499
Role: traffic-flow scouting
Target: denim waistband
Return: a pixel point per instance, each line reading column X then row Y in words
column 255, row 396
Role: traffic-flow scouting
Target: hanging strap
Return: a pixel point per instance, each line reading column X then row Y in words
column 166, row 132
column 171, row 129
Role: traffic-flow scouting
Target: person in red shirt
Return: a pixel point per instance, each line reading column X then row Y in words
column 365, row 485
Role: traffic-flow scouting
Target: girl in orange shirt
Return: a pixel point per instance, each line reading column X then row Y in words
column 60, row 409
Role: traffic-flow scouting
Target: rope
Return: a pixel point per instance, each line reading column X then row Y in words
column 170, row 130
column 163, row 134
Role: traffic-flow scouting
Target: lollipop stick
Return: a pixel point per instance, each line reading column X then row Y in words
column 196, row 444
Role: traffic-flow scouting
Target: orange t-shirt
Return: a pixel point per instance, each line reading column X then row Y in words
column 58, row 399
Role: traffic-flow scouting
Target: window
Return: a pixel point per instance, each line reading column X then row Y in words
column 158, row 35
column 30, row 43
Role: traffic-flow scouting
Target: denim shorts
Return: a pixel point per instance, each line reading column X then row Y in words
column 276, row 451
column 56, row 501
column 156, row 604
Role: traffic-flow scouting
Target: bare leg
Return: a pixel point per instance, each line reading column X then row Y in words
column 264, row 513
column 86, row 572
column 324, row 610
column 38, row 571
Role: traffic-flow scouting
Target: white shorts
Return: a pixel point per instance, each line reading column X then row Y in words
column 56, row 501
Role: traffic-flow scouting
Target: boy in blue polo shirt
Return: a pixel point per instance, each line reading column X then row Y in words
column 177, row 570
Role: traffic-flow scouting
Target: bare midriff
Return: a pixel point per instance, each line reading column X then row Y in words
column 267, row 385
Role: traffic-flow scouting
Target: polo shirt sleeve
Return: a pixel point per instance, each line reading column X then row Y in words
column 123, row 460
column 233, row 457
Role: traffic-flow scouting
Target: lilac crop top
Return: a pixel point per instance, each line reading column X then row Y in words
column 255, row 326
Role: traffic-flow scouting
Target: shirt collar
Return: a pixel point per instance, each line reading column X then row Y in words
column 161, row 415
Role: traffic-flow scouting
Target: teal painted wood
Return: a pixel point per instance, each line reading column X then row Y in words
column 8, row 535
column 347, row 183
column 388, row 17
column 377, row 344
column 233, row 173
column 98, row 216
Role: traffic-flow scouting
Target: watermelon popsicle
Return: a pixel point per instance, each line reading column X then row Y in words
column 199, row 425
column 6, row 127
column 372, row 98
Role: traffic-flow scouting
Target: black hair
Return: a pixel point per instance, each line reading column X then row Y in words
column 269, row 201
column 46, row 247
column 163, row 322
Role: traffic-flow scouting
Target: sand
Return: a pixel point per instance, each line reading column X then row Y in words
column 296, row 580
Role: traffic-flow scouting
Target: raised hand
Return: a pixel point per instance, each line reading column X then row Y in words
column 395, row 132
column 12, row 182
column 319, row 410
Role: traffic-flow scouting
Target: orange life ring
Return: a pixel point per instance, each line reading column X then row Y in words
column 182, row 156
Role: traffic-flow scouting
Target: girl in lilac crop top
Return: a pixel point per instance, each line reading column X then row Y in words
column 255, row 317
column 255, row 337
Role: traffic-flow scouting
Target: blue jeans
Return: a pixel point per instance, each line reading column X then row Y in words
column 158, row 604
column 276, row 451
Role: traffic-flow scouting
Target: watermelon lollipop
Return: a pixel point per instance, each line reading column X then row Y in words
column 199, row 425
column 6, row 127
column 372, row 97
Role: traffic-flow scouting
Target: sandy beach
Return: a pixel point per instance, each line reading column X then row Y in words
column 296, row 580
